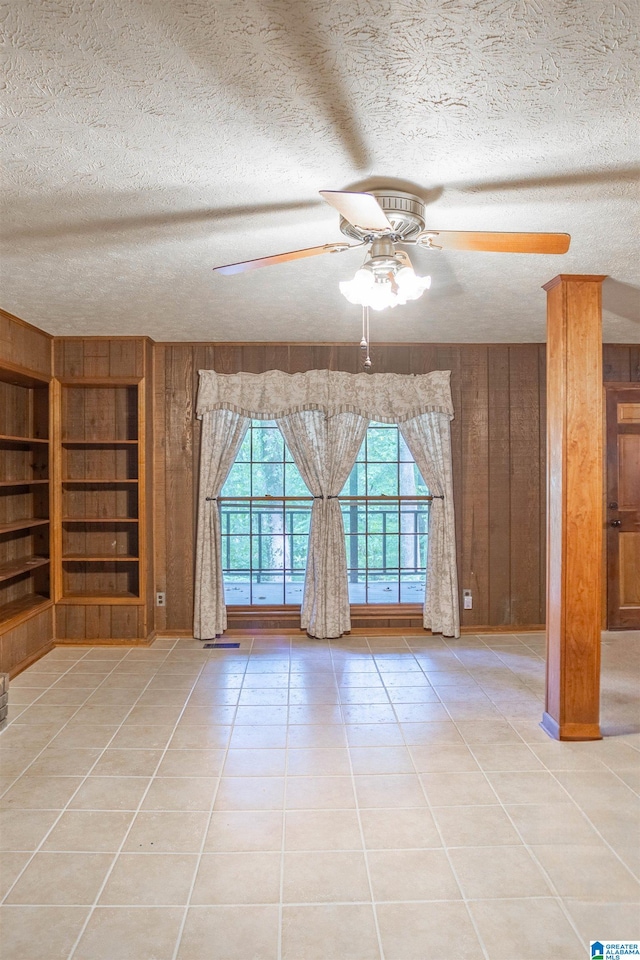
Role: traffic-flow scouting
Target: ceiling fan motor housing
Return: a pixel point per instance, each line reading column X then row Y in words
column 404, row 211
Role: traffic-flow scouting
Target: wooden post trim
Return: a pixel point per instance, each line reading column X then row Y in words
column 574, row 511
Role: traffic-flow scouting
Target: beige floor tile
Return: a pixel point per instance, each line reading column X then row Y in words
column 154, row 715
column 130, row 933
column 373, row 760
column 250, row 793
column 584, row 871
column 61, row 697
column 24, row 829
column 488, row 731
column 412, row 875
column 264, row 762
column 414, row 931
column 443, row 758
column 97, row 713
column 369, row 713
column 42, row 714
column 85, row 735
column 319, row 762
column 175, row 832
column 150, row 879
column 319, row 793
column 389, row 790
column 248, row 877
column 213, row 714
column 325, row 877
column 243, row 831
column 62, row 878
column 527, row 787
column 126, row 763
column 188, row 736
column 475, row 826
column 526, row 930
column 180, row 793
column 322, row 830
column 551, row 823
column 399, row 828
column 374, row 735
column 230, row 933
column 40, row 792
column 498, row 872
column 10, row 866
column 314, row 736
column 506, row 756
column 141, row 737
column 256, row 737
column 57, row 762
column 191, row 763
column 433, row 731
column 329, row 932
column 110, row 793
column 604, row 921
column 40, row 932
column 89, row 830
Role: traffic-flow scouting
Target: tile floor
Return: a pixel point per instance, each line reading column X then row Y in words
column 294, row 799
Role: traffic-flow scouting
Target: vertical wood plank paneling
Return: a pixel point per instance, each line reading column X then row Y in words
column 179, row 415
column 524, row 431
column 499, row 486
column 475, row 482
column 616, row 362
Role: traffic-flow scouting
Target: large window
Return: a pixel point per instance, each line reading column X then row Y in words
column 265, row 510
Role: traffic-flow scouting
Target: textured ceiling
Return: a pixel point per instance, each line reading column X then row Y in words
column 146, row 141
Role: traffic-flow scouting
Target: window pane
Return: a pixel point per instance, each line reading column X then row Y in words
column 382, row 478
column 268, row 444
column 238, row 483
column 294, row 485
column 382, row 444
column 267, row 478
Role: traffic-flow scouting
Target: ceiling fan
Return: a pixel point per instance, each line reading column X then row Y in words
column 383, row 218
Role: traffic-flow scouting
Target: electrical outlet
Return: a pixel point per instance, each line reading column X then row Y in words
column 161, row 599
column 467, row 600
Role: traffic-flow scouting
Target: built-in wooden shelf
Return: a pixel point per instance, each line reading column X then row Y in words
column 98, row 480
column 13, row 568
column 21, row 483
column 16, row 609
column 100, row 520
column 22, row 441
column 21, row 525
column 96, row 443
column 122, row 558
column 124, row 597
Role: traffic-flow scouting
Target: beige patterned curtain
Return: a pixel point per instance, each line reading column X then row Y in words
column 324, row 449
column 222, row 435
column 429, row 440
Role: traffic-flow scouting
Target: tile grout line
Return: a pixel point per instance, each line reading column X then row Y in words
column 444, row 848
column 135, row 814
column 83, row 779
column 203, row 843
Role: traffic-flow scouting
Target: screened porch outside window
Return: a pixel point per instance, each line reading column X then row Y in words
column 265, row 510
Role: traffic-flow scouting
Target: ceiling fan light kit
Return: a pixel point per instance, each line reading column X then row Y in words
column 384, row 218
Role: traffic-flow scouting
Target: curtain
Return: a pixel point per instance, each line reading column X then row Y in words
column 323, row 415
column 324, row 449
column 222, row 435
column 428, row 438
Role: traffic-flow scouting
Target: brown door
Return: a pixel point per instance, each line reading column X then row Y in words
column 623, row 507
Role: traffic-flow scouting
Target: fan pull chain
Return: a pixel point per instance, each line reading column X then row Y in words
column 367, row 359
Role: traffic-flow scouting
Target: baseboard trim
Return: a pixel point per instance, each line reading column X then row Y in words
column 569, row 731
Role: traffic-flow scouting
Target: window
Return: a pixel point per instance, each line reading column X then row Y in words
column 265, row 510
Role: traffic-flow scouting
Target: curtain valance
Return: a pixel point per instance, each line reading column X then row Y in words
column 385, row 397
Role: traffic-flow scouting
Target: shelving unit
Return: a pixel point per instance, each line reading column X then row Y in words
column 24, row 496
column 98, row 491
column 103, row 579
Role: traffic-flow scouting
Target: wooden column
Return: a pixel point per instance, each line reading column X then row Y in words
column 574, row 506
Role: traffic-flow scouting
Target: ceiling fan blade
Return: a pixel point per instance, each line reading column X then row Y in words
column 360, row 209
column 501, row 242
column 231, row 268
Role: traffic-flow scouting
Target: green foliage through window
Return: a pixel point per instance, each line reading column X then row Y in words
column 264, row 542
